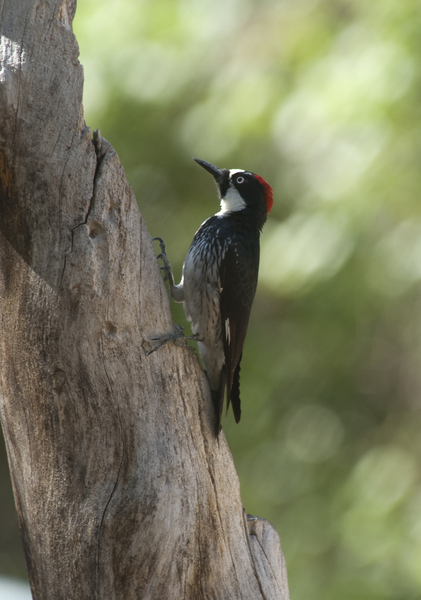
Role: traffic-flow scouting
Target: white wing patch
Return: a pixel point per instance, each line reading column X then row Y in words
column 227, row 330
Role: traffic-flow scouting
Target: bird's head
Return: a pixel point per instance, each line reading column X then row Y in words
column 239, row 189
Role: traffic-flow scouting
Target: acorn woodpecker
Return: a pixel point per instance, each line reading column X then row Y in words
column 219, row 279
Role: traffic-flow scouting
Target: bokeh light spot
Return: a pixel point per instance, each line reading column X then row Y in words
column 314, row 433
column 383, row 477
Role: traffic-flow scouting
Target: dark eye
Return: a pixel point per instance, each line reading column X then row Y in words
column 240, row 179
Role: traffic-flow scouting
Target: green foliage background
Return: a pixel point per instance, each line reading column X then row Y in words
column 322, row 98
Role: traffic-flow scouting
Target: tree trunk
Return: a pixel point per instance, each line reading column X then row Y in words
column 121, row 488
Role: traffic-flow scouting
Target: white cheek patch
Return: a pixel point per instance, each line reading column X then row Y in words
column 231, row 202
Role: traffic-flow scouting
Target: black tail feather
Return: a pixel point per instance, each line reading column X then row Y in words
column 218, row 402
column 233, row 397
column 235, row 394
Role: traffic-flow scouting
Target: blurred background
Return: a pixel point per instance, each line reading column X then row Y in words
column 322, row 98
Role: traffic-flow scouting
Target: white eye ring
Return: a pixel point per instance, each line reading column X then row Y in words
column 240, row 179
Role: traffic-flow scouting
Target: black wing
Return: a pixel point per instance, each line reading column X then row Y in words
column 238, row 276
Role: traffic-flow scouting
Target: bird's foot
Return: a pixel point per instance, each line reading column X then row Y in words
column 177, row 337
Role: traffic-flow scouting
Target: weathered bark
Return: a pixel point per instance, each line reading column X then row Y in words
column 121, row 488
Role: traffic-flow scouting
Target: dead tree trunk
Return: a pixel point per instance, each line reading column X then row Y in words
column 121, row 489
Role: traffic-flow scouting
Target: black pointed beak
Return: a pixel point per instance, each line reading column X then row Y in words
column 215, row 171
column 221, row 176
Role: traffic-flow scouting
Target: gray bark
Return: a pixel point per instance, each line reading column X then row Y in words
column 121, row 488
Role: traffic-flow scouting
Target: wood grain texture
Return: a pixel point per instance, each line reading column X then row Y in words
column 121, row 488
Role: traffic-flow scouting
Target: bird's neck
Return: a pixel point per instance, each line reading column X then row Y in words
column 231, row 202
column 247, row 219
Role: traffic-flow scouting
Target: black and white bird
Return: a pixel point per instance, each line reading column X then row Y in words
column 219, row 279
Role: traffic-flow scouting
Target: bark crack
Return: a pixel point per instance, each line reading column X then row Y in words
column 199, row 542
column 101, row 150
column 212, row 478
column 255, row 570
column 269, row 563
column 115, row 404
column 218, row 508
column 191, row 438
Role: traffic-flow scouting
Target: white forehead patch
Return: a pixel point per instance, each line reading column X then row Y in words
column 234, row 171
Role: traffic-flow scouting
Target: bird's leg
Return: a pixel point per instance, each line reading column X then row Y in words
column 167, row 268
column 176, row 291
column 178, row 295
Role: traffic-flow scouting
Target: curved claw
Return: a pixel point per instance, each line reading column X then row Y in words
column 161, row 243
column 176, row 336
